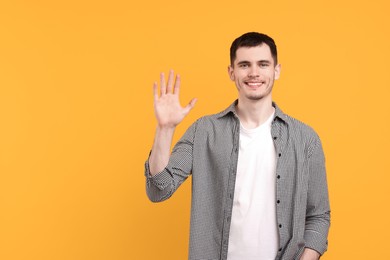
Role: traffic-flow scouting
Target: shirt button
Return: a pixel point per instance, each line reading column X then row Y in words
column 275, row 137
column 278, row 176
column 278, row 201
column 280, row 154
column 231, row 195
column 280, row 225
column 280, row 249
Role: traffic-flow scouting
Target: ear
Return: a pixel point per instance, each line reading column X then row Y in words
column 277, row 71
column 231, row 72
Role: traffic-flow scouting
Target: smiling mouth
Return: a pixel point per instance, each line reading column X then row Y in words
column 253, row 84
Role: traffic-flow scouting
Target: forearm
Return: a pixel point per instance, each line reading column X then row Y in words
column 310, row 254
column 161, row 149
column 318, row 209
column 316, row 231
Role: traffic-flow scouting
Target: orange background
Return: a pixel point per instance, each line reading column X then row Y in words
column 77, row 117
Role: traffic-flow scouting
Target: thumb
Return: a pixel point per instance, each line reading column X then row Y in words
column 190, row 105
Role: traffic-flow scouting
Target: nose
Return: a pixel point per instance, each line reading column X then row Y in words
column 254, row 71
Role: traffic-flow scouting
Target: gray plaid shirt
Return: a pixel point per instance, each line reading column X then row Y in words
column 209, row 150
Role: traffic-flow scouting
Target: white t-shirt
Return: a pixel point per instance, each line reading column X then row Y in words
column 253, row 230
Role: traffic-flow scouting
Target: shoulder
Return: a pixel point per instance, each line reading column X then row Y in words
column 217, row 123
column 299, row 127
column 295, row 127
column 227, row 115
column 213, row 122
column 299, row 133
column 303, row 135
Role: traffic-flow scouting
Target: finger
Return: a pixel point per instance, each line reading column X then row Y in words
column 163, row 89
column 170, row 81
column 155, row 91
column 190, row 105
column 176, row 89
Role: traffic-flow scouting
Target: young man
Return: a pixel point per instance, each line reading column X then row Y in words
column 259, row 187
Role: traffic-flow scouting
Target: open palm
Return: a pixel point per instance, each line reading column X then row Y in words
column 167, row 108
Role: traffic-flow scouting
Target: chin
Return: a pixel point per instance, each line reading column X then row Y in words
column 258, row 97
column 255, row 98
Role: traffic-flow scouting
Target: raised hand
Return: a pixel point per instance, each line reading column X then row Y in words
column 167, row 108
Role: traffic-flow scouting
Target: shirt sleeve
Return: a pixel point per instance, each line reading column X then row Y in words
column 162, row 185
column 318, row 209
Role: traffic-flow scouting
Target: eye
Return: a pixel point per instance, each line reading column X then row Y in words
column 244, row 65
column 264, row 65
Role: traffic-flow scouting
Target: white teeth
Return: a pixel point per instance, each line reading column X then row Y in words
column 254, row 84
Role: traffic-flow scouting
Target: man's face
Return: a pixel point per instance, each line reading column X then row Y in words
column 254, row 72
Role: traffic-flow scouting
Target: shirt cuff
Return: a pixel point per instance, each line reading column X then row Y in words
column 161, row 180
column 316, row 241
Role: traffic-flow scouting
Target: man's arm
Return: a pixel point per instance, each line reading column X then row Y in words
column 169, row 113
column 161, row 180
column 318, row 209
column 310, row 254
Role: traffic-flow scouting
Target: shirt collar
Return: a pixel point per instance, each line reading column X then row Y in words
column 232, row 110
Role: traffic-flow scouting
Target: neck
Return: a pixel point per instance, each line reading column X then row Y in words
column 253, row 113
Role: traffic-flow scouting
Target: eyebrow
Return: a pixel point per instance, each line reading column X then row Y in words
column 247, row 62
column 243, row 62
